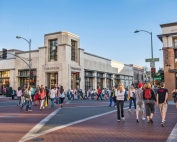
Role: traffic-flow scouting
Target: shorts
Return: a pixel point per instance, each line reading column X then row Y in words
column 140, row 107
column 163, row 107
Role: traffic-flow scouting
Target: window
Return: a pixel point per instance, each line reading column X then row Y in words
column 88, row 83
column 53, row 50
column 73, row 50
column 88, row 74
column 108, row 75
column 99, row 75
column 175, row 42
column 24, row 77
column 108, row 83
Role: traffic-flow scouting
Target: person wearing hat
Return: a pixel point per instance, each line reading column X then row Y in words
column 139, row 102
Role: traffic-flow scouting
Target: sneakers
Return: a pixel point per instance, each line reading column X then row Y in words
column 115, row 106
column 129, row 110
column 163, row 124
column 151, row 120
column 118, row 120
column 123, row 118
column 143, row 118
column 137, row 120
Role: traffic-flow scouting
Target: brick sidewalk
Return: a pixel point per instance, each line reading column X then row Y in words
column 107, row 129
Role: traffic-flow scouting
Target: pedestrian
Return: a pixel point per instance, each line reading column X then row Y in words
column 174, row 95
column 149, row 100
column 81, row 94
column 28, row 99
column 132, row 97
column 19, row 95
column 126, row 94
column 111, row 97
column 32, row 92
column 99, row 93
column 69, row 94
column 162, row 96
column 36, row 96
column 139, row 102
column 47, row 96
column 42, row 95
column 57, row 95
column 72, row 94
column 53, row 93
column 13, row 94
column 62, row 96
column 120, row 102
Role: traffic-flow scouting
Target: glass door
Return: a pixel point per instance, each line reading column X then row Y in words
column 53, row 79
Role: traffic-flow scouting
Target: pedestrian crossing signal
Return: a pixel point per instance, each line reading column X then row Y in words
column 4, row 53
column 31, row 74
column 77, row 75
column 152, row 72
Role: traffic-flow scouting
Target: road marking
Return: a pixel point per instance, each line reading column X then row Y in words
column 36, row 128
column 31, row 136
column 173, row 135
column 7, row 105
column 68, row 102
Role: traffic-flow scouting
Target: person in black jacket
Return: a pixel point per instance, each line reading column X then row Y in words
column 149, row 100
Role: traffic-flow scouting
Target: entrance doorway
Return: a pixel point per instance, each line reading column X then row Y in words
column 75, row 80
column 52, row 80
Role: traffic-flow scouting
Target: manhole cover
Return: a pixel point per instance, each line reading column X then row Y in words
column 38, row 139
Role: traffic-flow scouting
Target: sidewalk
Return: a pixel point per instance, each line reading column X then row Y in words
column 106, row 129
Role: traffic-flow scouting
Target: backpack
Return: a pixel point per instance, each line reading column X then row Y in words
column 26, row 94
column 147, row 94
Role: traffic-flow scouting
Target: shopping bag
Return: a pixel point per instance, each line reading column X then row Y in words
column 46, row 104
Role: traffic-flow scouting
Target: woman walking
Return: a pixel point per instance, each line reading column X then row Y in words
column 149, row 100
column 131, row 95
column 62, row 96
column 174, row 95
column 19, row 95
column 53, row 93
column 42, row 95
column 36, row 96
column 120, row 102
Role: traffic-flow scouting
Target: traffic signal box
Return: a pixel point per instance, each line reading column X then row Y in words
column 4, row 53
column 153, row 72
column 77, row 75
column 31, row 74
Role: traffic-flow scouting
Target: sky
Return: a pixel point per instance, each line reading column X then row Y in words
column 105, row 27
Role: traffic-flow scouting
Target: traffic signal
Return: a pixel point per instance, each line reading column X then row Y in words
column 152, row 72
column 4, row 53
column 31, row 74
column 77, row 75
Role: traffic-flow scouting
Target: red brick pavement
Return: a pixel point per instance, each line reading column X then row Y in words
column 107, row 129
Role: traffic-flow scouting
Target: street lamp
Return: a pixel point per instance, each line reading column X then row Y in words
column 29, row 42
column 137, row 31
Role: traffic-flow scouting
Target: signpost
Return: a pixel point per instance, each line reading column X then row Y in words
column 152, row 64
column 152, row 60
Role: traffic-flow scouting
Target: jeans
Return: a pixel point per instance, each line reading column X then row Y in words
column 72, row 96
column 125, row 99
column 57, row 101
column 23, row 104
column 52, row 102
column 120, row 108
column 78, row 96
column 134, row 102
column 19, row 100
column 28, row 105
column 99, row 96
column 111, row 99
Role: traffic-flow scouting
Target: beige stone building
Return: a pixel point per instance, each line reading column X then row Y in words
column 61, row 61
column 169, row 48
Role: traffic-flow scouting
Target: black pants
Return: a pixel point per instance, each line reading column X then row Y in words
column 12, row 97
column 61, row 100
column 149, row 105
column 99, row 96
column 120, row 109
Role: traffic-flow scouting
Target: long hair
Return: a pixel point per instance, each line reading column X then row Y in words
column 29, row 87
column 19, row 89
column 61, row 89
column 42, row 88
column 121, row 87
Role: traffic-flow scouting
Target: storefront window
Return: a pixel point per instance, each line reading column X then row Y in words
column 53, row 49
column 100, row 82
column 89, row 83
column 108, row 83
column 4, row 80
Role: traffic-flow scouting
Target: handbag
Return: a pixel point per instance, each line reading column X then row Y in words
column 39, row 97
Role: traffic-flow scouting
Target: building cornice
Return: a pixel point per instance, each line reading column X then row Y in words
column 168, row 24
column 96, row 56
column 64, row 44
column 62, row 32
column 28, row 51
column 165, row 35
column 41, row 47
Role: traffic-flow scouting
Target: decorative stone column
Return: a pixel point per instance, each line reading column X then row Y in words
column 104, row 80
column 95, row 80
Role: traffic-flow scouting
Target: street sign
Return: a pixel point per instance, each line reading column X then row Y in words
column 157, row 78
column 152, row 60
column 152, row 64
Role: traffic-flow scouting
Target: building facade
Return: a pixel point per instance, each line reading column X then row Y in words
column 61, row 61
column 169, row 48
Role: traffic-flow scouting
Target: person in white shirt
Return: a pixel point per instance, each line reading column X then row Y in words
column 53, row 93
column 120, row 102
column 62, row 96
column 131, row 95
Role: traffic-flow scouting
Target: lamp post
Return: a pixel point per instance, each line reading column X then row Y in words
column 29, row 42
column 137, row 31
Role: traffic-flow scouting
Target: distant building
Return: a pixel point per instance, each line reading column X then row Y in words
column 61, row 61
column 169, row 48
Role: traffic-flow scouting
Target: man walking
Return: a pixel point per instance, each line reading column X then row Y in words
column 162, row 96
column 99, row 93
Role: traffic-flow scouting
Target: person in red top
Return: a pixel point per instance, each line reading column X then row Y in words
column 99, row 93
column 42, row 95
